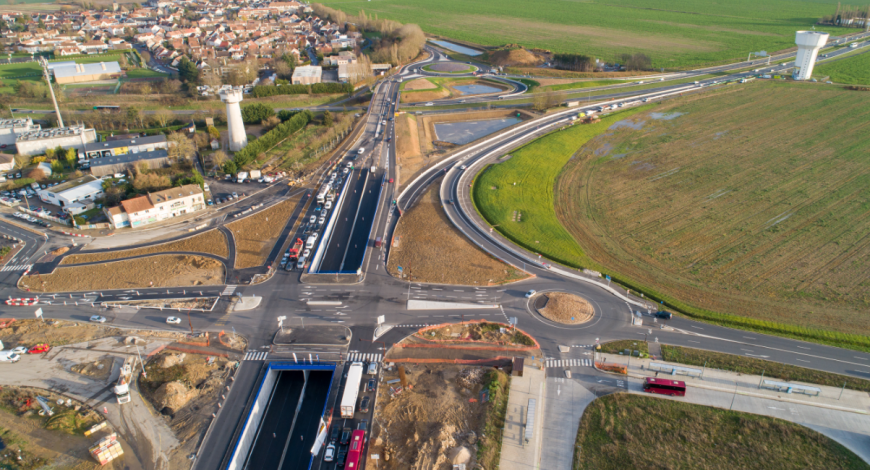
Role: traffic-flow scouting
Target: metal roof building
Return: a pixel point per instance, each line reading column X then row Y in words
column 79, row 73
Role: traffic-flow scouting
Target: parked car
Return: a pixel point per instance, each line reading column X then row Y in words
column 20, row 350
column 39, row 349
column 98, row 319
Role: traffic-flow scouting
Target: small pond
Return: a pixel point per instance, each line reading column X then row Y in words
column 457, row 48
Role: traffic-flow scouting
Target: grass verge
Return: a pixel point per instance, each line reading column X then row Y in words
column 751, row 365
column 616, row 347
column 489, row 445
column 622, row 431
column 517, row 195
column 854, row 70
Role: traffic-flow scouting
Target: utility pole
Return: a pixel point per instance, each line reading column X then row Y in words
column 47, row 75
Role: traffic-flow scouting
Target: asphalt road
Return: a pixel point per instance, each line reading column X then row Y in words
column 381, row 295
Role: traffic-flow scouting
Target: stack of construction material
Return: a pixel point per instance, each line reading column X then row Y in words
column 107, row 449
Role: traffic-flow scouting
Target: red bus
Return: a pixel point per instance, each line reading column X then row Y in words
column 665, row 386
column 354, row 454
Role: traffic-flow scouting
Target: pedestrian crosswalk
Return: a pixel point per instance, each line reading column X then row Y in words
column 228, row 290
column 354, row 356
column 413, row 326
column 589, row 346
column 16, row 267
column 569, row 362
column 256, row 355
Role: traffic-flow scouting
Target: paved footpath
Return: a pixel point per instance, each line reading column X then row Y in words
column 516, row 454
column 842, row 418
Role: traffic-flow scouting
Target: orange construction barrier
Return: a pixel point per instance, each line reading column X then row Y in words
column 619, row 369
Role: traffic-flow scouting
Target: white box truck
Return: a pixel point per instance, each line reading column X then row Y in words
column 242, row 176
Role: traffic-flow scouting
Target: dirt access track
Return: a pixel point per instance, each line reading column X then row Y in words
column 424, row 234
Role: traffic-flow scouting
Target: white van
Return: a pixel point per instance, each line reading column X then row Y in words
column 311, row 240
column 301, row 263
column 372, row 171
column 373, row 368
column 328, row 205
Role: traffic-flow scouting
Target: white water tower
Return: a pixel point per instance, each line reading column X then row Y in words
column 808, row 43
column 238, row 137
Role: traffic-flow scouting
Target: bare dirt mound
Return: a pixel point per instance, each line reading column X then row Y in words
column 513, row 58
column 173, row 396
column 424, row 236
column 564, row 308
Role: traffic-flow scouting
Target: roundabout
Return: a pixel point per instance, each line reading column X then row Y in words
column 564, row 308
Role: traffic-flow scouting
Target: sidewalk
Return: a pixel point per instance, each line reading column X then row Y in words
column 515, row 453
column 717, row 380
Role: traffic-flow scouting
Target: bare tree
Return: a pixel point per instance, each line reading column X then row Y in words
column 163, row 117
column 180, row 146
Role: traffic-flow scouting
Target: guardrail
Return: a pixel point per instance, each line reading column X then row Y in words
column 330, row 227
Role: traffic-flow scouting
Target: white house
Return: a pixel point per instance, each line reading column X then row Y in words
column 80, row 190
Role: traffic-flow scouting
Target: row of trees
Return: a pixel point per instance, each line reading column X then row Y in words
column 268, row 140
column 575, row 62
column 317, row 88
column 848, row 16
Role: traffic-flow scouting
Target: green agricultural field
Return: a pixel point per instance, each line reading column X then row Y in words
column 517, row 194
column 751, row 203
column 676, row 34
column 581, row 85
column 622, row 431
column 854, row 70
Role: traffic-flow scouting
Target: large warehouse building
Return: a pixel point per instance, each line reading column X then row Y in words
column 37, row 142
column 79, row 73
column 10, row 129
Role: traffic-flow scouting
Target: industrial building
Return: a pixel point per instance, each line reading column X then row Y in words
column 79, row 73
column 157, row 206
column 82, row 190
column 307, row 75
column 10, row 129
column 119, row 163
column 112, row 148
column 38, row 141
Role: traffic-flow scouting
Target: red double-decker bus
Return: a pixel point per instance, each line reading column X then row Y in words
column 355, row 453
column 674, row 388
